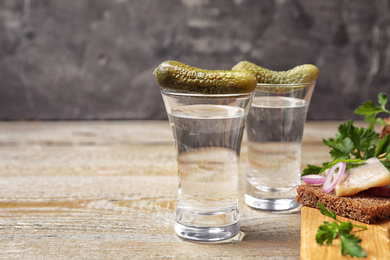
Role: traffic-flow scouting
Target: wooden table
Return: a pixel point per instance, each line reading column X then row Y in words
column 107, row 190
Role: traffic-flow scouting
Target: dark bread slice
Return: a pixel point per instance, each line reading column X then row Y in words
column 363, row 207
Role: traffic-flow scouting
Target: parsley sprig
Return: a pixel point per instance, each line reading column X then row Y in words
column 331, row 230
column 353, row 144
column 352, row 141
column 370, row 110
column 351, row 163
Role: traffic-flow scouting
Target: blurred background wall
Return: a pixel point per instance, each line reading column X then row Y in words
column 93, row 59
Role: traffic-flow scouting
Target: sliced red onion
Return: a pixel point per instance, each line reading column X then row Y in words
column 383, row 191
column 313, row 179
column 330, row 180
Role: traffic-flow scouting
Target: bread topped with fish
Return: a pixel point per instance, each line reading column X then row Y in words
column 361, row 193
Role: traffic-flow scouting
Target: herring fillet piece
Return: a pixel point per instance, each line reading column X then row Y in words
column 372, row 174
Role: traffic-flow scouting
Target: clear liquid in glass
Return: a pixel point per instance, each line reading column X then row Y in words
column 274, row 128
column 208, row 140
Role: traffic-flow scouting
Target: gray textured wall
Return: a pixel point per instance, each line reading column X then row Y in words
column 93, row 59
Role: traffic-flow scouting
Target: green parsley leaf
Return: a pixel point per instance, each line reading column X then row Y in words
column 344, row 130
column 325, row 234
column 370, row 152
column 363, row 140
column 324, row 211
column 370, row 110
column 345, row 227
column 329, row 231
column 387, row 163
column 382, row 99
column 352, row 141
column 311, row 169
column 339, row 148
column 383, row 146
column 350, row 245
column 381, row 121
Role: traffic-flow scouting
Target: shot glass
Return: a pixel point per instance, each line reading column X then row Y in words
column 274, row 129
column 208, row 131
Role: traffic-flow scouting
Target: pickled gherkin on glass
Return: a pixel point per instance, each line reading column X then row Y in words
column 179, row 77
column 300, row 74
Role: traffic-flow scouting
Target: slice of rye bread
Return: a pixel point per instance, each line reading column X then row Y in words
column 363, row 207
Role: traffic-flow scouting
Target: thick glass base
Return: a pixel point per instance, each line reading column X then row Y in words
column 207, row 234
column 207, row 227
column 274, row 199
column 271, row 204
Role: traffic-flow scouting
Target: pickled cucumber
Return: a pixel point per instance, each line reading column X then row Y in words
column 179, row 77
column 301, row 74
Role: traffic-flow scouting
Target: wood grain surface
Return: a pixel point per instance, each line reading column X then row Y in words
column 375, row 240
column 107, row 190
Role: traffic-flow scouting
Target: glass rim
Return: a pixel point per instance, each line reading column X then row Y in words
column 227, row 95
column 306, row 84
column 284, row 88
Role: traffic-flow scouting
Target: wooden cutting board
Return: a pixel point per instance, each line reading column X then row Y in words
column 375, row 240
